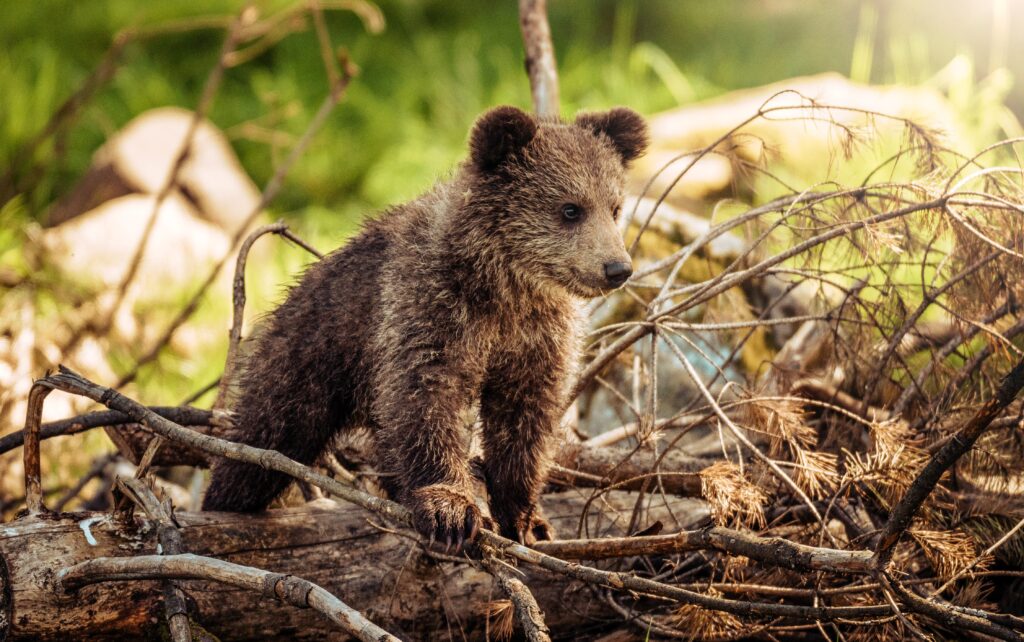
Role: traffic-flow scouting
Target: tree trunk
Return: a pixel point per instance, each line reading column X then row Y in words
column 350, row 553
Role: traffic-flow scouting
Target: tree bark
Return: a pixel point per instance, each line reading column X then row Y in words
column 379, row 571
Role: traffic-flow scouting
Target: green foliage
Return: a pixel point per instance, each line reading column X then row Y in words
column 435, row 67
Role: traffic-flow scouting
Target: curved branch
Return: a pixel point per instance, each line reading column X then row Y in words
column 33, row 417
column 185, row 415
column 270, row 191
column 238, row 298
column 287, row 588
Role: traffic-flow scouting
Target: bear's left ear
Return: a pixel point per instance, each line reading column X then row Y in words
column 625, row 128
column 498, row 135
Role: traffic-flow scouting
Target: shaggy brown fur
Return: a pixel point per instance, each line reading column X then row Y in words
column 464, row 295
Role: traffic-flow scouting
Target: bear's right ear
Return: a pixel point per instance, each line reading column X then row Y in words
column 498, row 134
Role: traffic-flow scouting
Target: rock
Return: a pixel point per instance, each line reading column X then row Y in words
column 98, row 246
column 681, row 225
column 790, row 134
column 139, row 159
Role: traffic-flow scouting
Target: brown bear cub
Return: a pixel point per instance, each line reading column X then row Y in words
column 465, row 295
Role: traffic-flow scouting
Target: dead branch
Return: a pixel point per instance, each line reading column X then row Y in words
column 73, row 383
column 769, row 551
column 169, row 538
column 527, row 612
column 586, row 465
column 184, row 415
column 940, row 462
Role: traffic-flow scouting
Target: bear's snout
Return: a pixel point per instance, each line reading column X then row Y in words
column 617, row 272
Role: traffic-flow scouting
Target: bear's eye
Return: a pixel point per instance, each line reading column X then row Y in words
column 616, row 212
column 571, row 212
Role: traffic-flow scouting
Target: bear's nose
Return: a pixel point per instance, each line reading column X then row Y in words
column 616, row 272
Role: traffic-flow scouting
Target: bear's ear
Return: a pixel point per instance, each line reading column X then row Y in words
column 625, row 128
column 498, row 134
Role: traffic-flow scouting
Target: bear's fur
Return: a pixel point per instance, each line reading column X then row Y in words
column 466, row 294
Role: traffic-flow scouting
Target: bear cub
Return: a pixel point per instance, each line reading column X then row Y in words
column 467, row 295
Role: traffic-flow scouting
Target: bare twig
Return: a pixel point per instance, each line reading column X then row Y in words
column 212, row 84
column 903, row 513
column 238, row 297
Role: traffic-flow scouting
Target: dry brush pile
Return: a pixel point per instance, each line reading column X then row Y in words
column 817, row 437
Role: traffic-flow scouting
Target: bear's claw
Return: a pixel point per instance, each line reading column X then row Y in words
column 446, row 513
column 527, row 528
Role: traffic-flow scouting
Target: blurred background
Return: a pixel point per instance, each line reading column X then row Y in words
column 427, row 69
column 435, row 65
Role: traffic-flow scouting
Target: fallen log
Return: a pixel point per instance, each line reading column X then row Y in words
column 378, row 570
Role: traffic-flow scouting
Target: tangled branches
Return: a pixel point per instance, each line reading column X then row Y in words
column 907, row 320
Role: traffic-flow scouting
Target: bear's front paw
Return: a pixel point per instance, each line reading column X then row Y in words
column 526, row 527
column 446, row 513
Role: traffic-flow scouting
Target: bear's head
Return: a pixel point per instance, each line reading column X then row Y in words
column 551, row 194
